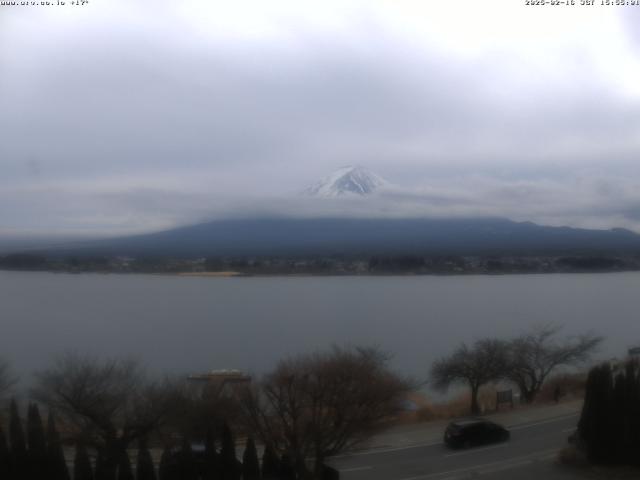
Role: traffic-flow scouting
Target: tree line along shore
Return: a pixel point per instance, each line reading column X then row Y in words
column 327, row 265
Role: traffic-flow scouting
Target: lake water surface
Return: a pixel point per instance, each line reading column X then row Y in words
column 193, row 324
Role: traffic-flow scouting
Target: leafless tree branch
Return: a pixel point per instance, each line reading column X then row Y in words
column 318, row 405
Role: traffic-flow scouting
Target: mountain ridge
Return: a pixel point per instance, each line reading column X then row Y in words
column 280, row 236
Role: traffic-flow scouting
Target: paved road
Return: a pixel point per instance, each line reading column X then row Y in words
column 531, row 445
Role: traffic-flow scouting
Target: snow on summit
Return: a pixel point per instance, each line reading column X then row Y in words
column 347, row 181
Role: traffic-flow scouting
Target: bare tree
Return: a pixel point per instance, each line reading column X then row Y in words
column 198, row 410
column 534, row 355
column 315, row 406
column 109, row 402
column 7, row 380
column 476, row 366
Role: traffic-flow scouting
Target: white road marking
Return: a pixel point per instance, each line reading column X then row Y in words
column 355, row 469
column 385, row 450
column 519, row 463
column 552, row 420
column 499, row 468
column 503, row 463
column 474, row 450
column 522, row 418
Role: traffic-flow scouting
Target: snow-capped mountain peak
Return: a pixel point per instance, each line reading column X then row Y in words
column 350, row 180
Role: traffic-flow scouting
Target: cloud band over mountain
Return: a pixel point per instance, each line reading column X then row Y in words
column 123, row 117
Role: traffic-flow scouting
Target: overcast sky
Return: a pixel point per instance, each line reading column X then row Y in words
column 122, row 116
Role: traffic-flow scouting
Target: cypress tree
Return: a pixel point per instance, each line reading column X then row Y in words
column 124, row 467
column 595, row 425
column 55, row 453
column 270, row 464
column 211, row 460
column 330, row 473
column 5, row 456
column 619, row 421
column 287, row 470
column 250, row 464
column 166, row 469
column 634, row 395
column 604, row 425
column 144, row 463
column 82, row 464
column 585, row 423
column 610, row 422
column 187, row 468
column 101, row 470
column 628, row 418
column 228, row 460
column 18, row 445
column 37, row 447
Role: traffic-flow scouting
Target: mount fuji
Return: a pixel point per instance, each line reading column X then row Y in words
column 286, row 235
column 350, row 180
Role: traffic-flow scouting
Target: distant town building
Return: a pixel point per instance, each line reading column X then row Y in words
column 634, row 352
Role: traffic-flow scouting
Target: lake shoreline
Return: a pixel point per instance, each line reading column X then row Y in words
column 239, row 274
column 337, row 265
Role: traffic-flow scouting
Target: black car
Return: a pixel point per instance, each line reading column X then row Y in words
column 474, row 431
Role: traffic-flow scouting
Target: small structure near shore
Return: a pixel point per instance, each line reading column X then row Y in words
column 222, row 380
column 504, row 396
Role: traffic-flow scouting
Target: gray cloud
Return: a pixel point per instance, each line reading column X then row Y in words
column 136, row 120
column 592, row 200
